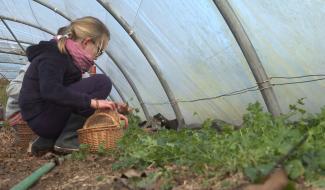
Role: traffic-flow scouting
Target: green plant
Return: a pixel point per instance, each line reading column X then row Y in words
column 101, row 149
column 133, row 119
column 82, row 153
column 253, row 149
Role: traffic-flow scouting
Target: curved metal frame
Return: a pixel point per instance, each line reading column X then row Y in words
column 11, row 40
column 13, row 35
column 13, row 63
column 151, row 61
column 13, row 53
column 250, row 55
column 124, row 73
column 28, row 24
column 10, row 70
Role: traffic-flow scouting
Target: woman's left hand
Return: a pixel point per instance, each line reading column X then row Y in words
column 123, row 117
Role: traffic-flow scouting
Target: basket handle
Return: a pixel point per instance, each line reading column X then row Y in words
column 97, row 113
column 107, row 111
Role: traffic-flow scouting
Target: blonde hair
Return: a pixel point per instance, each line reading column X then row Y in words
column 86, row 27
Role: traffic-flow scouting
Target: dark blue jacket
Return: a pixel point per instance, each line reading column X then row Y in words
column 46, row 80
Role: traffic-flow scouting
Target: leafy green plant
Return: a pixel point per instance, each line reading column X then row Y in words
column 253, row 149
column 133, row 119
column 82, row 153
column 101, row 149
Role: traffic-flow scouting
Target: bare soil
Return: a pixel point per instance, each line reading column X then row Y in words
column 95, row 172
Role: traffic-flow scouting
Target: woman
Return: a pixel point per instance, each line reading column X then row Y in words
column 54, row 99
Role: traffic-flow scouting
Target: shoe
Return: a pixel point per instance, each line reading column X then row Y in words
column 41, row 145
column 68, row 140
column 65, row 150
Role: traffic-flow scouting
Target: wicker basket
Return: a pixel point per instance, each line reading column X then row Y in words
column 102, row 128
column 25, row 134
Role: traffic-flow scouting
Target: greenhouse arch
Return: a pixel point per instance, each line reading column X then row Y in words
column 168, row 94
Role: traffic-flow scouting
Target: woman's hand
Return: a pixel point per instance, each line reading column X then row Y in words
column 102, row 104
column 123, row 117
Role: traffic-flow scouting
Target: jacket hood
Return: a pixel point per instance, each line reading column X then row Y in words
column 44, row 47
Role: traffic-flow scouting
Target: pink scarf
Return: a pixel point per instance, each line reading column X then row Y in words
column 80, row 57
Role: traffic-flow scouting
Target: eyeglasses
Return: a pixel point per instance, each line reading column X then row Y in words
column 100, row 51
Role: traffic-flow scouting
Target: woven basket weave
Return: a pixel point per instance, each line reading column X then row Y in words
column 25, row 134
column 102, row 128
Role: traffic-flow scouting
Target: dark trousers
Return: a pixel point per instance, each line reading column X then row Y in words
column 53, row 119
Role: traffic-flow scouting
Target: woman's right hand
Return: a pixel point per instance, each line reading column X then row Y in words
column 102, row 104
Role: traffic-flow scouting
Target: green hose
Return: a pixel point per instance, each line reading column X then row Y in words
column 31, row 179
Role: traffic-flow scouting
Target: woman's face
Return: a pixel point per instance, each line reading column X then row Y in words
column 91, row 48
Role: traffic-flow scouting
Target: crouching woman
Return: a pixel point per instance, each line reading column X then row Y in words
column 55, row 101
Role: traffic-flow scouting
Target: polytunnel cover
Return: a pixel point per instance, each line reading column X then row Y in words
column 193, row 48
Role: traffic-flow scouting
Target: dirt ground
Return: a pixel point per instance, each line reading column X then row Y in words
column 95, row 172
column 16, row 164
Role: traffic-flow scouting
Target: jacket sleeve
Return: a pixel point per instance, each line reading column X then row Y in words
column 51, row 72
column 13, row 90
column 14, row 86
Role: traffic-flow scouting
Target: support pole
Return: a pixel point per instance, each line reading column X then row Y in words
column 13, row 35
column 151, row 61
column 117, row 89
column 250, row 55
column 14, row 63
column 13, row 52
column 21, row 41
column 28, row 24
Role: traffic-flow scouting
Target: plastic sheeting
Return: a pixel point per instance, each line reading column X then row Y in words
column 195, row 50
